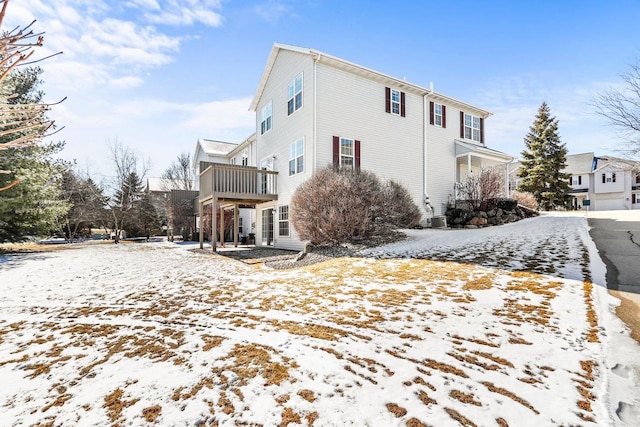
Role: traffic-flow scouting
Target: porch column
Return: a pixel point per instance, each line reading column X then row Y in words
column 469, row 164
column 213, row 223
column 506, row 189
column 201, row 229
column 236, row 225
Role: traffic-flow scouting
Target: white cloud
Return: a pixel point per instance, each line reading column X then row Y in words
column 180, row 12
column 272, row 10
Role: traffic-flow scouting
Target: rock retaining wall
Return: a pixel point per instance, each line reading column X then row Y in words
column 492, row 212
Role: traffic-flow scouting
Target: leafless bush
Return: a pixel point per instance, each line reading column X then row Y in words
column 401, row 211
column 478, row 189
column 340, row 206
column 526, row 199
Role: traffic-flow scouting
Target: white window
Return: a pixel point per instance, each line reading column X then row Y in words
column 608, row 177
column 395, row 101
column 283, row 220
column 296, row 157
column 294, row 90
column 346, row 152
column 437, row 114
column 472, row 127
column 635, row 198
column 233, row 160
column 245, row 157
column 576, row 180
column 267, row 112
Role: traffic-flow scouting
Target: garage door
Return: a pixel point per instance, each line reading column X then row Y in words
column 608, row 205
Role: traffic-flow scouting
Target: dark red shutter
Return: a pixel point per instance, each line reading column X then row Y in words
column 387, row 99
column 604, row 179
column 481, row 130
column 357, row 153
column 613, row 177
column 579, row 179
column 431, row 108
column 461, row 124
column 444, row 116
column 403, row 111
column 336, row 151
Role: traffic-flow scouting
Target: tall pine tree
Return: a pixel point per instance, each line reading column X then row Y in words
column 543, row 161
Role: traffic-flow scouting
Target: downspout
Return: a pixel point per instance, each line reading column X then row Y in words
column 427, row 202
column 315, row 113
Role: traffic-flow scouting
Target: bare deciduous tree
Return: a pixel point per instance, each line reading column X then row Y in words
column 621, row 107
column 179, row 174
column 129, row 173
column 21, row 124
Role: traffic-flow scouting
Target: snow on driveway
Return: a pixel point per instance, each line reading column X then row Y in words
column 501, row 326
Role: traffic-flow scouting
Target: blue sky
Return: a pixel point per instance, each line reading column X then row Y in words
column 156, row 75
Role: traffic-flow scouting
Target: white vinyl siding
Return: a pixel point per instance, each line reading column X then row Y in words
column 380, row 132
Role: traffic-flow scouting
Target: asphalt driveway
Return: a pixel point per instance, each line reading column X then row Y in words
column 617, row 237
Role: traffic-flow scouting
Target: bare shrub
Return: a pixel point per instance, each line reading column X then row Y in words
column 526, row 199
column 402, row 212
column 341, row 205
column 478, row 189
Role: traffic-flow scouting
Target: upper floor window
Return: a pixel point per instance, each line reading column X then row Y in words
column 245, row 157
column 395, row 102
column 233, row 160
column 576, row 180
column 283, row 220
column 608, row 177
column 635, row 198
column 296, row 157
column 346, row 153
column 471, row 127
column 638, row 178
column 437, row 114
column 294, row 90
column 266, row 118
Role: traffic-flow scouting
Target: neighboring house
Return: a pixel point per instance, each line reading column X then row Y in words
column 172, row 200
column 604, row 182
column 314, row 110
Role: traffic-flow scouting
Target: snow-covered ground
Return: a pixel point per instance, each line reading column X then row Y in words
column 499, row 326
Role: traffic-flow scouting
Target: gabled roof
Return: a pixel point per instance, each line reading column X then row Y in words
column 359, row 70
column 163, row 185
column 578, row 164
column 462, row 148
column 212, row 148
column 244, row 144
column 615, row 163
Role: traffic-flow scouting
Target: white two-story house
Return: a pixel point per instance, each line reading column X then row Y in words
column 603, row 182
column 314, row 110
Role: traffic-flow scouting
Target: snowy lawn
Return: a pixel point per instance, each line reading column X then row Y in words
column 501, row 326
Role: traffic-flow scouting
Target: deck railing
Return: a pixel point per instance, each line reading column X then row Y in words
column 237, row 182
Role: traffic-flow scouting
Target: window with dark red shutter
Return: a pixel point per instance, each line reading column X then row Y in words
column 481, row 130
column 431, row 107
column 444, row 116
column 357, row 154
column 387, row 99
column 461, row 124
column 403, row 110
column 336, row 151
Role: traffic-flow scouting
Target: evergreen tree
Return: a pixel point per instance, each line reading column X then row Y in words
column 543, row 161
column 31, row 203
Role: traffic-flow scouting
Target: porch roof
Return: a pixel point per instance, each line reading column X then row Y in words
column 464, row 148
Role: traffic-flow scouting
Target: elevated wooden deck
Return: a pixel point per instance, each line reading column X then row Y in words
column 237, row 184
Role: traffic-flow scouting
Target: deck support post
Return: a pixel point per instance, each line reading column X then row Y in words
column 201, row 228
column 214, row 236
column 236, row 225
